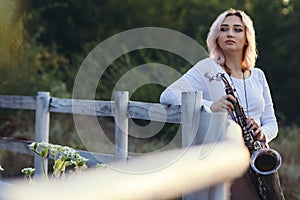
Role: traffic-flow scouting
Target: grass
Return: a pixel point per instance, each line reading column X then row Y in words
column 288, row 145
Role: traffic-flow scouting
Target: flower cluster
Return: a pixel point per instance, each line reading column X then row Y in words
column 63, row 156
column 28, row 172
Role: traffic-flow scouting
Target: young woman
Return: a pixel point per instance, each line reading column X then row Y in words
column 232, row 47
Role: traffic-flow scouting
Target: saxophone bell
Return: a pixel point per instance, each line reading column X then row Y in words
column 265, row 161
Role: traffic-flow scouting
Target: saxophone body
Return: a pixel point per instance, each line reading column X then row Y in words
column 263, row 160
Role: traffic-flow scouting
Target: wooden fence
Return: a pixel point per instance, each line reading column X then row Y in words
column 191, row 115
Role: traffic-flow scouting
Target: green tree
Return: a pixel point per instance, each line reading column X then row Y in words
column 277, row 33
column 68, row 30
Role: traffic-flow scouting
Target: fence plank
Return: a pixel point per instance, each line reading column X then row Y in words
column 137, row 110
column 154, row 112
column 42, row 118
column 94, row 158
column 17, row 146
column 18, row 102
column 84, row 107
column 121, row 125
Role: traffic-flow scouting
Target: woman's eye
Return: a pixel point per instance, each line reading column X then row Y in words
column 223, row 29
column 238, row 30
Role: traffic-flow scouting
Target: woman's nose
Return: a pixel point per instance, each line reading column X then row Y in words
column 230, row 34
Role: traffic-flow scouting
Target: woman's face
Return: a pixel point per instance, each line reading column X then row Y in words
column 232, row 34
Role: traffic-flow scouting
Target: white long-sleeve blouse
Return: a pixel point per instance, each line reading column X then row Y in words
column 253, row 93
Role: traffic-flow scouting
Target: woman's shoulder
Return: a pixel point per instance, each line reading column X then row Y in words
column 206, row 64
column 259, row 74
column 206, row 61
column 257, row 70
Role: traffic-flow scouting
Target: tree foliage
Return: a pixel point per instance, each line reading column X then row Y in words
column 61, row 33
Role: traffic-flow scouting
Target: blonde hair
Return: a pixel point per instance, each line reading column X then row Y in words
column 250, row 52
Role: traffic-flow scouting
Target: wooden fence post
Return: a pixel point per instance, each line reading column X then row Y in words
column 121, row 125
column 190, row 116
column 211, row 127
column 42, row 118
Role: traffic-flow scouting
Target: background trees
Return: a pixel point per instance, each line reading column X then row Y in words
column 61, row 33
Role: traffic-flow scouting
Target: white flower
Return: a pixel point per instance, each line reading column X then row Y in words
column 1, row 169
column 67, row 152
column 28, row 171
column 44, row 144
column 54, row 149
column 33, row 146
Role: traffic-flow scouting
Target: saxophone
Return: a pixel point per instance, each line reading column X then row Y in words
column 264, row 161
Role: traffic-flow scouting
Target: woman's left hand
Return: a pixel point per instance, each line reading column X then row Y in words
column 257, row 130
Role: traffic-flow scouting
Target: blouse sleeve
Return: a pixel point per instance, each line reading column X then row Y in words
column 268, row 119
column 190, row 81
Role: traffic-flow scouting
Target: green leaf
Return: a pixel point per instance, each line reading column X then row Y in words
column 44, row 152
column 58, row 165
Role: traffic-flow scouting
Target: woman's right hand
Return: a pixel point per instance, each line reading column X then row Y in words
column 223, row 105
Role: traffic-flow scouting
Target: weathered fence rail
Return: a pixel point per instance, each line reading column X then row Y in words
column 43, row 105
column 136, row 110
column 18, row 102
column 193, row 120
